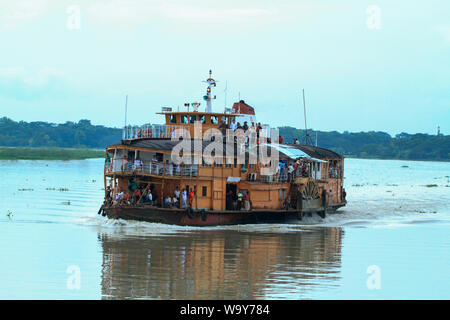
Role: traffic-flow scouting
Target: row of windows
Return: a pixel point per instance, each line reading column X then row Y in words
column 203, row 118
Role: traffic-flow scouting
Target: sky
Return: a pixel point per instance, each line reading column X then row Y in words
column 364, row 65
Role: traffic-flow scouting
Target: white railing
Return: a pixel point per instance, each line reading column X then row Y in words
column 145, row 131
column 122, row 165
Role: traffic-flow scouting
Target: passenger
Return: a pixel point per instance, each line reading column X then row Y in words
column 287, row 202
column 290, row 172
column 280, row 139
column 222, row 127
column 191, row 197
column 245, row 127
column 154, row 195
column 150, row 197
column 229, row 200
column 125, row 199
column 178, row 170
column 137, row 195
column 233, row 125
column 138, row 164
column 183, row 199
column 238, row 126
column 167, row 202
column 176, row 193
column 246, row 201
column 175, row 202
column 239, row 201
column 283, row 172
column 118, row 197
column 145, row 194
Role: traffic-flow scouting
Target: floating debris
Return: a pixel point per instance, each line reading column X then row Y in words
column 430, row 185
column 66, row 203
column 405, row 166
column 392, row 185
column 59, row 189
column 24, row 189
column 9, row 214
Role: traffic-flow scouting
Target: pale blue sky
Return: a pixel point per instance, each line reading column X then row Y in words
column 358, row 78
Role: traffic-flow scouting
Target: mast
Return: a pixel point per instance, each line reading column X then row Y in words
column 225, row 91
column 307, row 137
column 125, row 131
column 126, row 106
column 211, row 83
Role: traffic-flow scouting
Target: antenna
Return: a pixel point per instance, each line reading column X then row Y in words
column 239, row 111
column 307, row 137
column 226, row 88
column 126, row 106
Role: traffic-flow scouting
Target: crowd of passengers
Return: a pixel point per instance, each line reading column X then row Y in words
column 181, row 198
column 147, row 194
column 286, row 172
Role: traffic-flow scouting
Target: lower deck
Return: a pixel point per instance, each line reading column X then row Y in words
column 201, row 217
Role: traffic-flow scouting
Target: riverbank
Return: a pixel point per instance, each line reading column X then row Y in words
column 19, row 153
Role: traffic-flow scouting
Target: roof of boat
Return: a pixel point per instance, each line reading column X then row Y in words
column 288, row 150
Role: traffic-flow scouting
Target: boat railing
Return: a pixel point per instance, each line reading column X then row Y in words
column 282, row 176
column 145, row 131
column 124, row 165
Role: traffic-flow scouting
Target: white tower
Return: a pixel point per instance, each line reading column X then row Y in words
column 211, row 83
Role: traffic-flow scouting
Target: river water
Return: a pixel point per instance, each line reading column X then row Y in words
column 392, row 241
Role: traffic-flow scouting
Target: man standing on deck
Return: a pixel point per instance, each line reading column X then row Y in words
column 191, row 197
column 183, row 199
column 239, row 201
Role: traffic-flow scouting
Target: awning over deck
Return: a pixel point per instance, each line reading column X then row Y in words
column 293, row 152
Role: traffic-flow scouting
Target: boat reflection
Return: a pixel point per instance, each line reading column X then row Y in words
column 220, row 264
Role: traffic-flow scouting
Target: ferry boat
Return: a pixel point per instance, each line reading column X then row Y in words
column 220, row 179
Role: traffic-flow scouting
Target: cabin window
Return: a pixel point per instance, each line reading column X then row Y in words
column 204, row 190
column 192, row 118
column 202, row 118
column 214, row 119
column 183, row 119
column 173, row 118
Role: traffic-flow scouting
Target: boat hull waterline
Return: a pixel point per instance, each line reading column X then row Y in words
column 199, row 218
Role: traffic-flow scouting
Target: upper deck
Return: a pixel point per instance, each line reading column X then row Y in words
column 179, row 120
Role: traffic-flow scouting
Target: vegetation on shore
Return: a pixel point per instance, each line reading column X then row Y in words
column 19, row 153
column 84, row 136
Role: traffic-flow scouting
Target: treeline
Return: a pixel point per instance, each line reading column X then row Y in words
column 81, row 134
column 376, row 145
column 379, row 145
